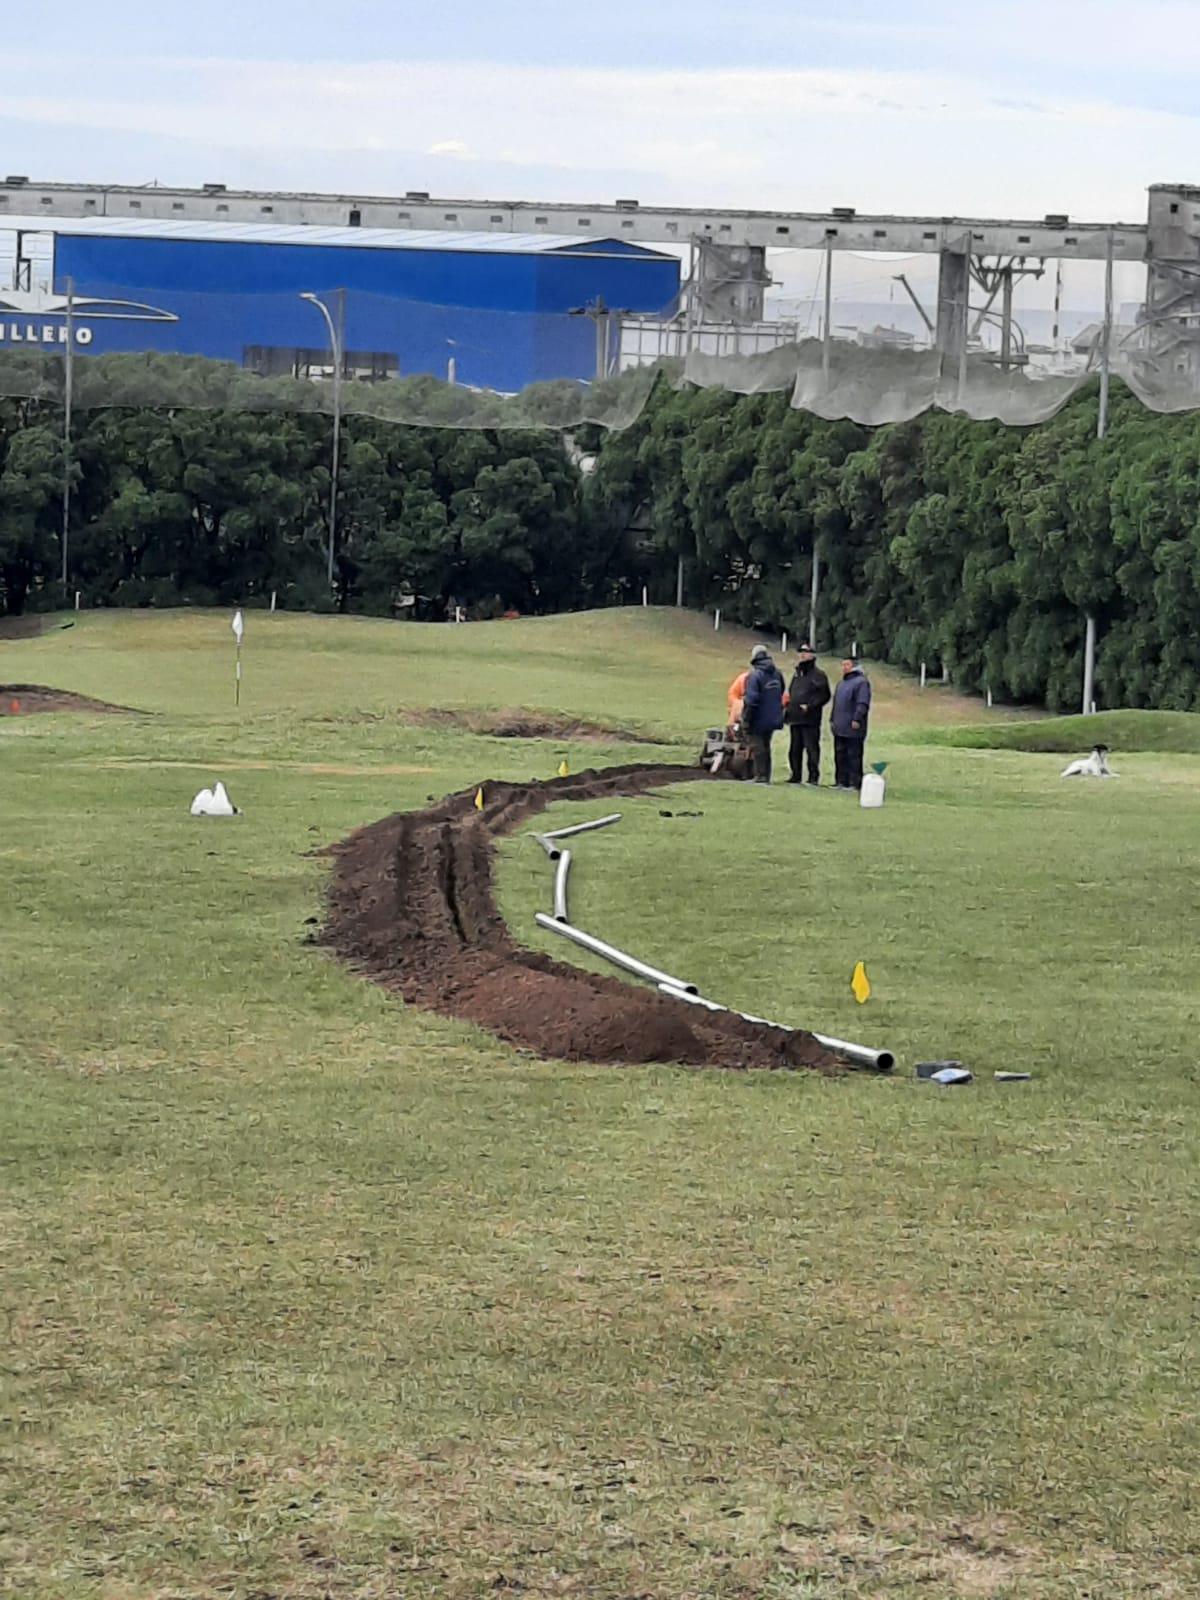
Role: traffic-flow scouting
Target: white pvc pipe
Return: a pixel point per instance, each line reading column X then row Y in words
column 560, row 887
column 582, row 827
column 861, row 1054
column 609, row 952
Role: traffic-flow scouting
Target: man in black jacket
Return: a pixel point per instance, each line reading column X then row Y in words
column 848, row 721
column 807, row 698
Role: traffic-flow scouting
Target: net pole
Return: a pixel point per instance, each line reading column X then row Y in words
column 1089, row 637
column 337, row 336
column 1106, row 339
column 68, row 403
column 814, row 595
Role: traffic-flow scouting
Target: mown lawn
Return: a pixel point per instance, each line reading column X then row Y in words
column 309, row 1294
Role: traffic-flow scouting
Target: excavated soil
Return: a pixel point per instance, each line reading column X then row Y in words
column 411, row 906
column 527, row 725
column 23, row 699
column 20, row 627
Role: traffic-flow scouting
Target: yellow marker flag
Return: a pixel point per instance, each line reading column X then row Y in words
column 564, row 770
column 479, row 798
column 860, row 983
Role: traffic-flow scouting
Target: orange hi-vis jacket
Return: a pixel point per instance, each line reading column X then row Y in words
column 736, row 696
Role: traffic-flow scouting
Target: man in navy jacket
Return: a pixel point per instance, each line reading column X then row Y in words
column 762, row 709
column 848, row 723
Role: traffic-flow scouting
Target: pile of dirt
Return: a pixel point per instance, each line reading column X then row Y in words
column 527, row 725
column 411, row 906
column 20, row 627
column 24, row 699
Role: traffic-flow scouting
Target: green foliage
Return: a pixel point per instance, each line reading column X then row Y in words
column 963, row 544
column 1177, row 732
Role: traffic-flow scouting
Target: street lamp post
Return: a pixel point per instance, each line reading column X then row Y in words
column 335, row 345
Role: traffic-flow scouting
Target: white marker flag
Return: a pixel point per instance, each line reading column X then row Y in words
column 239, row 626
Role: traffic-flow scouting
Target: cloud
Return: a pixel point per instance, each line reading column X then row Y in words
column 881, row 140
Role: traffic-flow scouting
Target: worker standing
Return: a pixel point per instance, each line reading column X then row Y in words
column 848, row 721
column 762, row 709
column 808, row 695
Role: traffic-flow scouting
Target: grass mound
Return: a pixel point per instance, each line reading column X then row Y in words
column 1175, row 732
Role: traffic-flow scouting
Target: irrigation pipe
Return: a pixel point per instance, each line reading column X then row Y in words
column 582, row 827
column 560, row 887
column 861, row 1054
column 548, row 845
column 609, row 952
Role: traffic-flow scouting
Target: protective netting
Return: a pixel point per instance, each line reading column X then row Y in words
column 402, row 361
column 434, row 365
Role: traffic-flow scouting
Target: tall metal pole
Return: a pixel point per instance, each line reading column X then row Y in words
column 828, row 329
column 336, row 351
column 68, row 402
column 965, row 334
column 1058, row 288
column 339, row 352
column 679, row 580
column 599, row 316
column 1089, row 637
column 814, row 595
column 1106, row 339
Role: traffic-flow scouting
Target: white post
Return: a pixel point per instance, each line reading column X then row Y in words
column 717, row 620
column 272, row 599
column 814, row 594
column 853, row 649
column 68, row 402
column 645, row 596
column 783, row 645
column 922, row 674
column 77, row 599
column 945, row 673
column 1089, row 666
column 679, row 581
column 989, row 699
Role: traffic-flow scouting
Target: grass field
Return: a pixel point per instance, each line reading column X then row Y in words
column 309, row 1294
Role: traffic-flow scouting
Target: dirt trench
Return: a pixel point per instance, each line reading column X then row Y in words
column 26, row 699
column 411, row 906
column 529, row 725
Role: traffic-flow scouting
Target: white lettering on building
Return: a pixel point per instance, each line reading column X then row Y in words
column 47, row 333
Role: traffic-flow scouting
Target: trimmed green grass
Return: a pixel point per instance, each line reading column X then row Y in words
column 311, row 1295
column 1176, row 732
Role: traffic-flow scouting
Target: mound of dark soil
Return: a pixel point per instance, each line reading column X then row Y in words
column 411, row 906
column 20, row 627
column 527, row 725
column 23, row 699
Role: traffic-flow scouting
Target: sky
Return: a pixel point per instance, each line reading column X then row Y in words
column 920, row 106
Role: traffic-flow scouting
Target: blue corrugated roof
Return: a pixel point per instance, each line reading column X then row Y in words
column 312, row 234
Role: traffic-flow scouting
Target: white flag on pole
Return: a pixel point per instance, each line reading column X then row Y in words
column 239, row 626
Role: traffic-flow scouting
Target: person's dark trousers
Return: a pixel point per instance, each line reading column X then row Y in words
column 760, row 750
column 848, row 760
column 806, row 743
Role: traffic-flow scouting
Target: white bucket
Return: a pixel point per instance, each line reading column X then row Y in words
column 873, row 789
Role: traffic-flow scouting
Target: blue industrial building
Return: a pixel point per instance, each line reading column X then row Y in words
column 493, row 311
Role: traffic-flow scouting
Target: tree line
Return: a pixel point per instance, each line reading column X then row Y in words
column 969, row 545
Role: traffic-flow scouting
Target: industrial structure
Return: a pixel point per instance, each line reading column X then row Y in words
column 490, row 313
column 540, row 247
